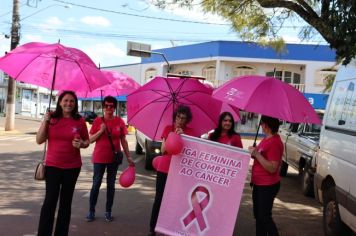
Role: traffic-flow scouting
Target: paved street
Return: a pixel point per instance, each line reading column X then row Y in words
column 21, row 196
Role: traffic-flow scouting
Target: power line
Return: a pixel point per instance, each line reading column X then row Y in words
column 113, row 35
column 155, row 37
column 142, row 16
column 165, row 19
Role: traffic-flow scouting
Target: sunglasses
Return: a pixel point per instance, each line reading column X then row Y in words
column 178, row 117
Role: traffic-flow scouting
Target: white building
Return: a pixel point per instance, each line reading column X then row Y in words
column 302, row 65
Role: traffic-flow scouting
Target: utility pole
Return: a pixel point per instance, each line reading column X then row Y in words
column 11, row 89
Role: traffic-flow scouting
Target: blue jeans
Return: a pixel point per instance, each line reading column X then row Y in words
column 99, row 170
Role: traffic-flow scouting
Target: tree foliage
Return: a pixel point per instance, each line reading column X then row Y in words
column 329, row 80
column 261, row 20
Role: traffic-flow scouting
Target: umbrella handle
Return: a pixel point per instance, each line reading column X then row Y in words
column 258, row 129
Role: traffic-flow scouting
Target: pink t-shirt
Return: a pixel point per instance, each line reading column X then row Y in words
column 166, row 159
column 272, row 150
column 235, row 140
column 60, row 152
column 102, row 151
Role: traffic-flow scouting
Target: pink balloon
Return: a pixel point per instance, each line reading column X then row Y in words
column 127, row 177
column 173, row 144
column 164, row 163
column 156, row 162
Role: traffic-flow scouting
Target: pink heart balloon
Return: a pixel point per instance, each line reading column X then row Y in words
column 127, row 177
column 156, row 162
column 173, row 144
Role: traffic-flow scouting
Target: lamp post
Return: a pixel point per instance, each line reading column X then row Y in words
column 144, row 50
column 43, row 9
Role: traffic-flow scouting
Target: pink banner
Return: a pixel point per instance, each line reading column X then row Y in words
column 203, row 190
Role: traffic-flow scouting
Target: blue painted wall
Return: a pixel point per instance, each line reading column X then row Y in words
column 243, row 49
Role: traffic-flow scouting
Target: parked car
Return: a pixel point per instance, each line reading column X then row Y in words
column 301, row 141
column 145, row 145
column 335, row 186
column 89, row 116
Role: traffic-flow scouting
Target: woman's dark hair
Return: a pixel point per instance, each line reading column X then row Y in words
column 110, row 99
column 272, row 123
column 182, row 109
column 215, row 135
column 58, row 113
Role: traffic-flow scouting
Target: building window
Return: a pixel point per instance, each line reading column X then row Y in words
column 150, row 74
column 286, row 76
column 209, row 74
column 242, row 70
column 185, row 72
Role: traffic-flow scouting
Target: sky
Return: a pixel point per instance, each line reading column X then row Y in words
column 101, row 28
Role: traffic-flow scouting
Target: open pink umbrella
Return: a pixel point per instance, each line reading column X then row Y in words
column 121, row 85
column 150, row 108
column 267, row 96
column 225, row 107
column 53, row 66
column 235, row 112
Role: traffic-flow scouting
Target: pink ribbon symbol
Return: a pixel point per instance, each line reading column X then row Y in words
column 198, row 207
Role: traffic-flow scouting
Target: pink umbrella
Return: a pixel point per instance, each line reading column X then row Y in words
column 122, row 85
column 268, row 96
column 235, row 112
column 53, row 66
column 150, row 108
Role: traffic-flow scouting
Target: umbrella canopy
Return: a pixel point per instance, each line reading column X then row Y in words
column 235, row 112
column 121, row 85
column 268, row 96
column 150, row 108
column 53, row 66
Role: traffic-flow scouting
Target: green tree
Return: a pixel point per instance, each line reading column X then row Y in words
column 261, row 20
column 329, row 80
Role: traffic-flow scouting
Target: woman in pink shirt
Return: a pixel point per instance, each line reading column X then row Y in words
column 265, row 176
column 181, row 117
column 103, row 155
column 225, row 132
column 66, row 132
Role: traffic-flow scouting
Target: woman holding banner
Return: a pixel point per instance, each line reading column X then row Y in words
column 225, row 132
column 265, row 176
column 181, row 117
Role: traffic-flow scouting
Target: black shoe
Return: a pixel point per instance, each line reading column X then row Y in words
column 108, row 217
column 91, row 216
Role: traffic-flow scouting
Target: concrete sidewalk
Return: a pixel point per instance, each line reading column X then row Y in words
column 23, row 125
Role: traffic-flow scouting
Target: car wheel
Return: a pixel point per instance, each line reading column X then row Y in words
column 284, row 169
column 148, row 161
column 138, row 148
column 307, row 182
column 148, row 158
column 331, row 216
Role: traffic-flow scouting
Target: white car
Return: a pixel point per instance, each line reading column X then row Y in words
column 145, row 145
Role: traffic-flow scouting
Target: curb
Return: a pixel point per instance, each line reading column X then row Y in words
column 3, row 132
